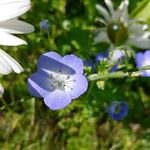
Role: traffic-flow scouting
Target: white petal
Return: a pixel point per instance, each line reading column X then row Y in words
column 1, row 90
column 103, row 12
column 124, row 8
column 142, row 41
column 137, row 28
column 101, row 20
column 101, row 37
column 8, row 64
column 10, row 9
column 10, row 40
column 110, row 6
column 121, row 14
column 15, row 26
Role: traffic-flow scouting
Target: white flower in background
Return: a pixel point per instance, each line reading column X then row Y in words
column 119, row 29
column 10, row 10
column 1, row 90
column 9, row 24
column 8, row 65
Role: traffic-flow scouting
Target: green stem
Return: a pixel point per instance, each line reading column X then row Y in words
column 4, row 103
column 12, row 94
column 118, row 74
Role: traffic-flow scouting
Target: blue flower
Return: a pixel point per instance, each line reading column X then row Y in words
column 117, row 110
column 44, row 25
column 118, row 56
column 142, row 60
column 101, row 56
column 105, row 55
column 58, row 80
column 88, row 63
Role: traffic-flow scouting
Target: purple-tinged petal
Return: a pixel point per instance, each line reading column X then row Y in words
column 49, row 59
column 147, row 55
column 52, row 55
column 74, row 62
column 118, row 56
column 51, row 62
column 77, row 88
column 145, row 73
column 139, row 58
column 57, row 100
column 143, row 59
column 39, row 85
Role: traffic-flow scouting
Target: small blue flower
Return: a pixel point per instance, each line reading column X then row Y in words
column 117, row 110
column 58, row 80
column 101, row 56
column 142, row 60
column 105, row 55
column 88, row 63
column 44, row 25
column 118, row 56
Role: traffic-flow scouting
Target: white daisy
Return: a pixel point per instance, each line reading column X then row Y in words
column 119, row 29
column 9, row 24
column 8, row 65
column 1, row 90
column 10, row 10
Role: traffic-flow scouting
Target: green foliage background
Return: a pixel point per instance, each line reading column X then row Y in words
column 27, row 124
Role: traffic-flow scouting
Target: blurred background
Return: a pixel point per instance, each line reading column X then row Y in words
column 27, row 124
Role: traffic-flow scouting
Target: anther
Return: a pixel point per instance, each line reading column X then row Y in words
column 60, row 71
column 51, row 76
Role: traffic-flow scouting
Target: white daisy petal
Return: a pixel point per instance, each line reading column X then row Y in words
column 116, row 15
column 103, row 12
column 137, row 28
column 110, row 6
column 121, row 14
column 1, row 90
column 15, row 26
column 101, row 37
column 10, row 9
column 142, row 41
column 4, row 67
column 124, row 8
column 101, row 20
column 10, row 40
column 8, row 64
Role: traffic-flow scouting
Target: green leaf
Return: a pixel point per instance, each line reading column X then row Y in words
column 142, row 11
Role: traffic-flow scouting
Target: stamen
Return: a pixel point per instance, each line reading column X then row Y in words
column 71, row 80
column 51, row 76
column 68, row 77
column 69, row 87
column 52, row 85
column 60, row 71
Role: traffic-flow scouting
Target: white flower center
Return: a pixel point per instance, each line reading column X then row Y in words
column 62, row 81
